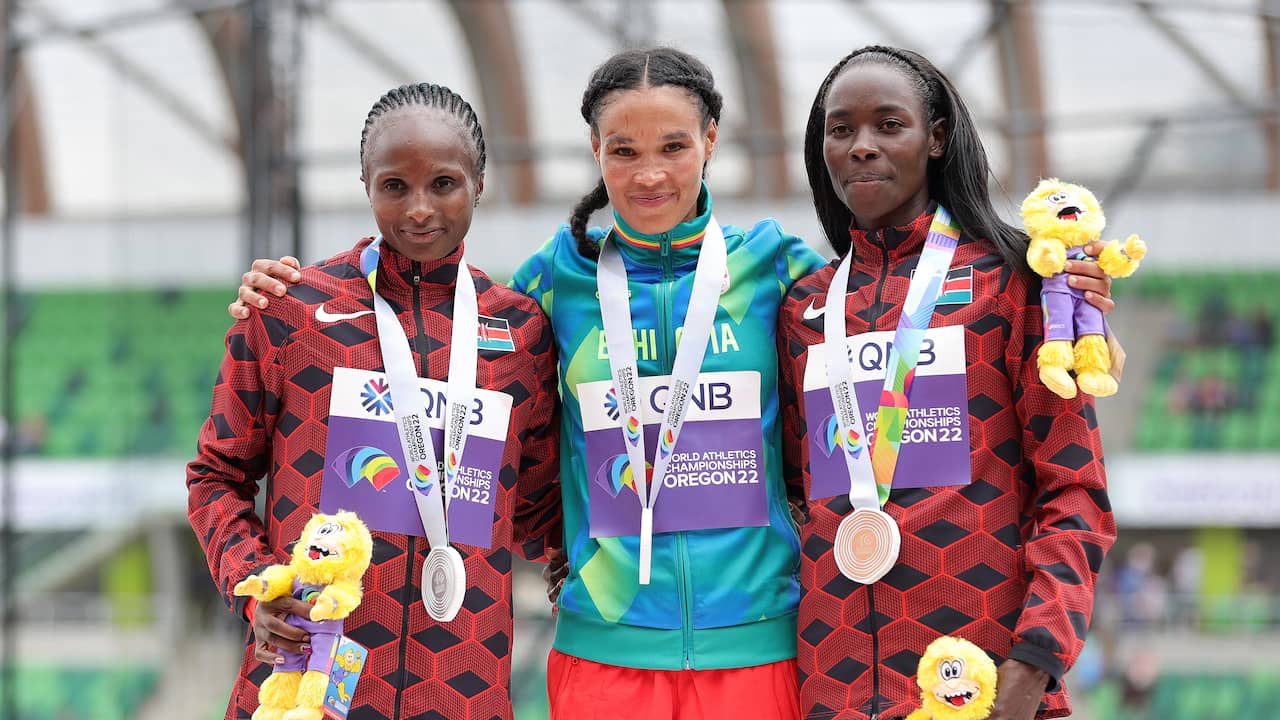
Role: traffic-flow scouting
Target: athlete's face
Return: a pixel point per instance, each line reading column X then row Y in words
column 651, row 147
column 877, row 143
column 419, row 173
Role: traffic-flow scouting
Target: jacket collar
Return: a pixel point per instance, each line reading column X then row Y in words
column 396, row 271
column 681, row 242
column 872, row 248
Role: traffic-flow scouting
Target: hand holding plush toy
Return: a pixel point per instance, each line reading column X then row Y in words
column 957, row 681
column 1061, row 219
column 328, row 561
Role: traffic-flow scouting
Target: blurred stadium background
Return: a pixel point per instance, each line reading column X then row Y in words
column 155, row 146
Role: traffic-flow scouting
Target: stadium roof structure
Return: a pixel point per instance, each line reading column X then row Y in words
column 164, row 106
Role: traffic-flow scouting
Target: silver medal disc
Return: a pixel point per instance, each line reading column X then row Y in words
column 867, row 545
column 444, row 583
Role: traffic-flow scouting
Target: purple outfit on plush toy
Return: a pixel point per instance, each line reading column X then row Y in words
column 1066, row 314
column 324, row 635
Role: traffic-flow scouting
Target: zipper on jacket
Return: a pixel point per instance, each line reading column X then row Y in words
column 411, row 550
column 684, row 574
column 884, row 272
column 875, row 652
column 878, row 239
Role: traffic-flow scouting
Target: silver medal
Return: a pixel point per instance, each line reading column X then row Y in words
column 444, row 583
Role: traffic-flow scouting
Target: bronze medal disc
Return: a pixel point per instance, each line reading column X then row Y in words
column 867, row 545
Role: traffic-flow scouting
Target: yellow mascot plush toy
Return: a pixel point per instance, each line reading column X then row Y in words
column 957, row 681
column 1061, row 219
column 328, row 562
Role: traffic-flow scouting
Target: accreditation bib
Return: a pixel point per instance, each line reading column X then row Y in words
column 935, row 438
column 364, row 467
column 715, row 478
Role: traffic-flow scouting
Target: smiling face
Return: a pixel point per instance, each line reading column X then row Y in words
column 877, row 145
column 957, row 680
column 953, row 686
column 419, row 173
column 651, row 146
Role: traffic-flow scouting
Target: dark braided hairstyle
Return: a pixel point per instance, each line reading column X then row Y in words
column 957, row 180
column 426, row 95
column 631, row 70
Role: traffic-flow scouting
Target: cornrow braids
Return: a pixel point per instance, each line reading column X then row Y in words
column 426, row 95
column 631, row 70
column 957, row 180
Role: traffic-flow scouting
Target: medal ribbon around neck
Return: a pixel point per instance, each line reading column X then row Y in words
column 409, row 408
column 871, row 474
column 615, row 311
column 868, row 541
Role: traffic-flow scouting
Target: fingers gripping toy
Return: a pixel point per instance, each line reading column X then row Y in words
column 1060, row 219
column 957, row 681
column 328, row 561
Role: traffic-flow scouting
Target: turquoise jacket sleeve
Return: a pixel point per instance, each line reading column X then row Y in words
column 795, row 259
column 534, row 276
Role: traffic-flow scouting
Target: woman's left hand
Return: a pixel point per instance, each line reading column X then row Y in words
column 1089, row 277
column 1019, row 690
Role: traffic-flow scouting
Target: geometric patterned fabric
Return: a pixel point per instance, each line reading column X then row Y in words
column 1008, row 561
column 269, row 417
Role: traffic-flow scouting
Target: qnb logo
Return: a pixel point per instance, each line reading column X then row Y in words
column 376, row 397
column 611, row 404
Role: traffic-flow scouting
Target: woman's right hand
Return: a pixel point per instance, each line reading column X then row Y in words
column 556, row 570
column 272, row 633
column 264, row 277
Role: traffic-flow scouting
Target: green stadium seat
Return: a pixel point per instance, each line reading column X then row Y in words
column 108, row 693
column 1252, row 378
column 111, row 372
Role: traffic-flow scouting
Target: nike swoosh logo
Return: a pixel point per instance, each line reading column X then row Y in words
column 325, row 316
column 812, row 313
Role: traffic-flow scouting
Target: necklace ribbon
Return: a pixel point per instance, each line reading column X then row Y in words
column 422, row 466
column 871, row 473
column 615, row 311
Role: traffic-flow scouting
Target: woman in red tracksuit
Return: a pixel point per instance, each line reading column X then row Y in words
column 1005, row 557
column 310, row 364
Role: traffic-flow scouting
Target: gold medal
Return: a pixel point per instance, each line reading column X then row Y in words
column 867, row 545
column 444, row 583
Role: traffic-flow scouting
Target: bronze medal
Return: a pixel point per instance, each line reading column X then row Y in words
column 867, row 545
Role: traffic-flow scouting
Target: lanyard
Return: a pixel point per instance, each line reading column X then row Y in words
column 406, row 395
column 871, row 474
column 611, row 281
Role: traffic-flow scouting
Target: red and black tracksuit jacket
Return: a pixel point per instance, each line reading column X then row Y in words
column 269, row 416
column 1008, row 561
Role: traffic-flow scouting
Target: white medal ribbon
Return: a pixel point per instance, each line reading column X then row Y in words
column 442, row 591
column 868, row 540
column 856, row 449
column 615, row 311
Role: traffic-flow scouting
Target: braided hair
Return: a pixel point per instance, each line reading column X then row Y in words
column 957, row 180
column 631, row 70
column 426, row 95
